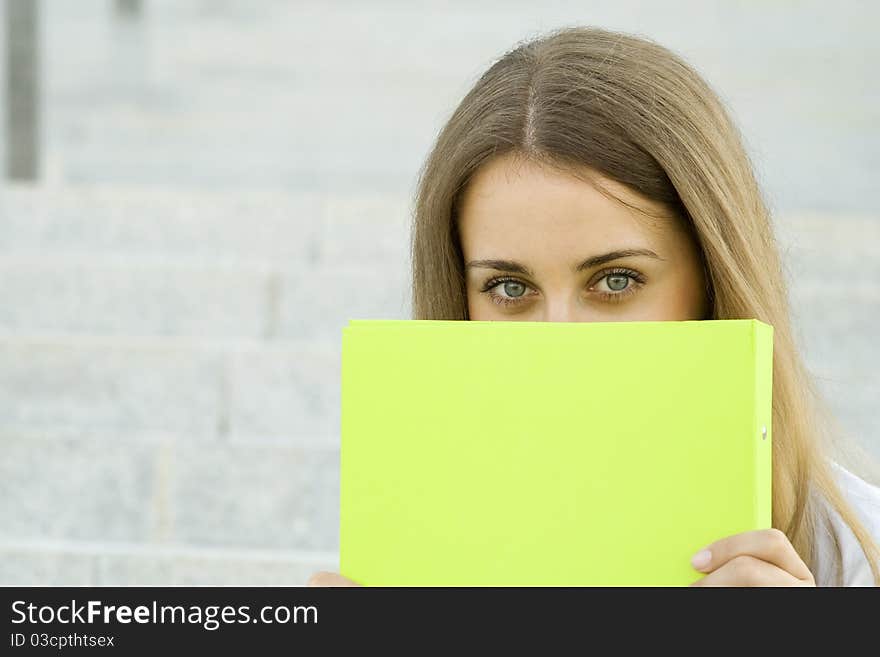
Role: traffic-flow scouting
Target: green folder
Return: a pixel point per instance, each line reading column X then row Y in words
column 509, row 453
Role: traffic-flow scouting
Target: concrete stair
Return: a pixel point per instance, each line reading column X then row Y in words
column 169, row 377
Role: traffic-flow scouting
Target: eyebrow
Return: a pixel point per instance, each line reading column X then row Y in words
column 592, row 261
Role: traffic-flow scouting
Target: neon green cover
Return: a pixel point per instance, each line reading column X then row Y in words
column 541, row 453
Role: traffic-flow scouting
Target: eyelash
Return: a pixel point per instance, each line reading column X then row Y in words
column 614, row 297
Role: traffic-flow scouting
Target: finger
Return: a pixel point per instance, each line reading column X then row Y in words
column 324, row 578
column 769, row 545
column 748, row 571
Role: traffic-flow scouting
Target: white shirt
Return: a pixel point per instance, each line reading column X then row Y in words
column 834, row 534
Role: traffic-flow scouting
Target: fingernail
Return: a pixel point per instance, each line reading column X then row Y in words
column 701, row 559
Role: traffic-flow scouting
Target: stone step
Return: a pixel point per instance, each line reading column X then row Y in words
column 84, row 563
column 253, row 392
column 829, row 233
column 255, row 226
column 239, row 94
column 113, row 488
column 149, row 296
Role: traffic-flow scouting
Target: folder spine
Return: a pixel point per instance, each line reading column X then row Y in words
column 762, row 436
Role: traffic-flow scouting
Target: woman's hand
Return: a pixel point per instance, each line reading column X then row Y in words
column 758, row 558
column 324, row 578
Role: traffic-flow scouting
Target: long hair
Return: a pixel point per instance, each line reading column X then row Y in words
column 582, row 98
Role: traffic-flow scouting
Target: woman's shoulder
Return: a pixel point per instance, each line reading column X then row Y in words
column 852, row 569
column 862, row 496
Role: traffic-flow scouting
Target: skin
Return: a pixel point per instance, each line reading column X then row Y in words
column 549, row 223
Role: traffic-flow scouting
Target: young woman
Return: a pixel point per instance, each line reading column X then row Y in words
column 591, row 175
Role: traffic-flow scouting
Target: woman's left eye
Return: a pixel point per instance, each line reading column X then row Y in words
column 616, row 282
column 619, row 284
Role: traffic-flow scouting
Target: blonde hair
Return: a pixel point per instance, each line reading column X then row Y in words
column 633, row 111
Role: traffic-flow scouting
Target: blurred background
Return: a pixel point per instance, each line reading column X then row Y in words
column 197, row 194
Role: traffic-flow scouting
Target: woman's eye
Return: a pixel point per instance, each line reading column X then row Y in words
column 618, row 285
column 513, row 288
column 616, row 282
column 507, row 292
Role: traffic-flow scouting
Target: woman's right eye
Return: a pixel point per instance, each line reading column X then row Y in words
column 513, row 288
column 512, row 291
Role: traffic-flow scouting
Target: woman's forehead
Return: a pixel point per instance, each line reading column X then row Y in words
column 515, row 203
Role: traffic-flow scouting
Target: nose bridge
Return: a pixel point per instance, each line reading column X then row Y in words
column 561, row 307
